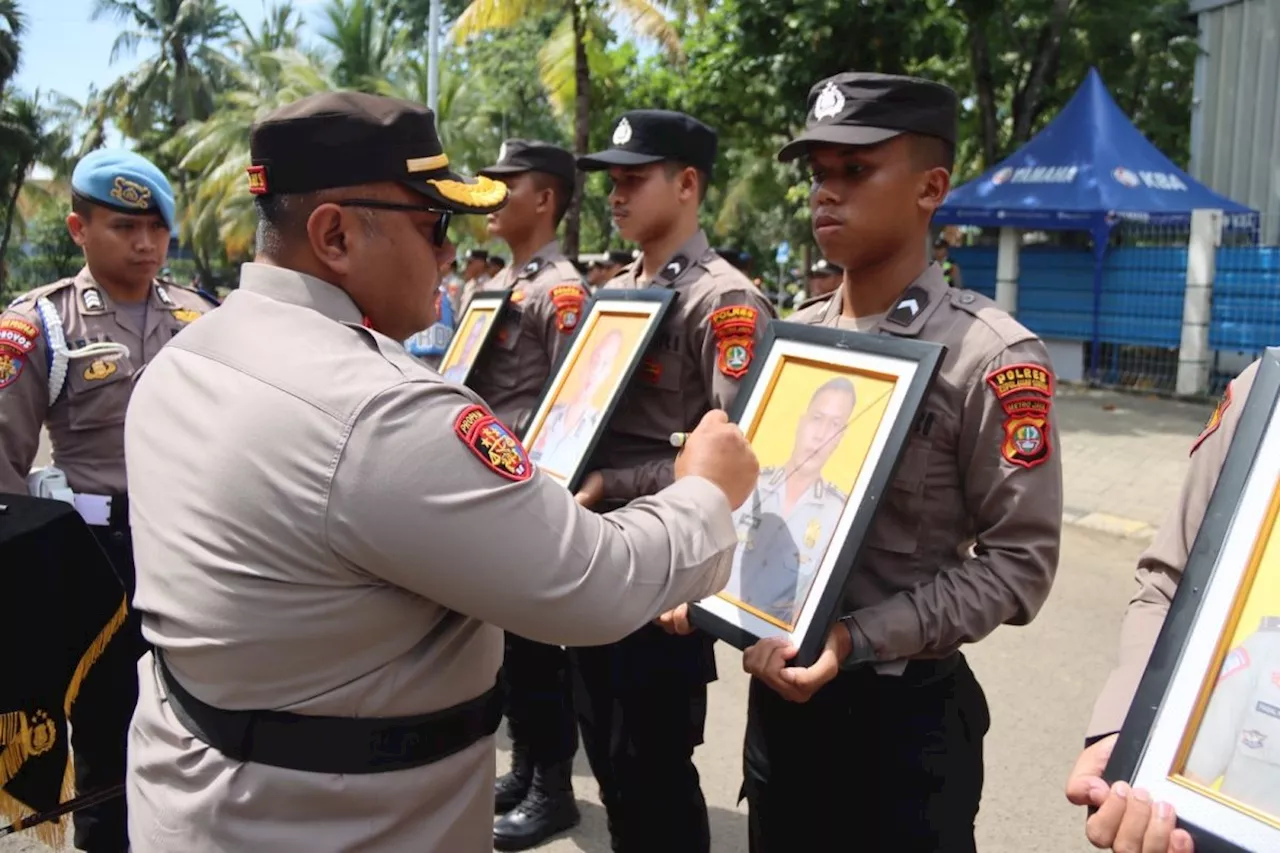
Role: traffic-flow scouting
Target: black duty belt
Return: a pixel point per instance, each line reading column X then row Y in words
column 316, row 744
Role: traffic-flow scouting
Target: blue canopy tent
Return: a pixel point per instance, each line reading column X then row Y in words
column 1087, row 170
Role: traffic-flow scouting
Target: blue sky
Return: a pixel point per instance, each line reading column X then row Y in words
column 64, row 51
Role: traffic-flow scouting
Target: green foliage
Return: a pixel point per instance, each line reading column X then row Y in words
column 47, row 254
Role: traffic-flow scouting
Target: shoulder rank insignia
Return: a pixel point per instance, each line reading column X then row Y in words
column 1025, row 391
column 1215, row 420
column 91, row 299
column 909, row 306
column 672, row 270
column 165, row 298
column 735, row 331
column 568, row 300
column 493, row 444
column 532, row 268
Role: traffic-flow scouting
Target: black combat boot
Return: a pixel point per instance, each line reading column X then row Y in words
column 510, row 789
column 549, row 809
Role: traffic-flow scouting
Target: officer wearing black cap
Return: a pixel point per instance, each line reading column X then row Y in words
column 547, row 299
column 475, row 278
column 326, row 530
column 643, row 702
column 824, row 277
column 69, row 352
column 884, row 732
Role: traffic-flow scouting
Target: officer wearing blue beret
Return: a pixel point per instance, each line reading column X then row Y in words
column 68, row 354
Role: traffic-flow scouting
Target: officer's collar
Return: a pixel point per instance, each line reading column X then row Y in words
column 541, row 259
column 93, row 300
column 295, row 288
column 676, row 266
column 908, row 315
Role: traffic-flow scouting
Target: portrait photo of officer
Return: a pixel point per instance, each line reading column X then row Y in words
column 1238, row 740
column 784, row 528
column 457, row 371
column 562, row 440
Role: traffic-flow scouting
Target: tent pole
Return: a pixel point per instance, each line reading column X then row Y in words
column 1101, row 236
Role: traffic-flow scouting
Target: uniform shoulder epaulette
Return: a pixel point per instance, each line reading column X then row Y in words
column 995, row 318
column 208, row 297
column 826, row 487
column 625, row 271
column 43, row 290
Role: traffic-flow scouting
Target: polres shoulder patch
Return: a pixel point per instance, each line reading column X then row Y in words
column 735, row 328
column 568, row 300
column 493, row 444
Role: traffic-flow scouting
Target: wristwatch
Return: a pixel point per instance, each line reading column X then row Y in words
column 862, row 650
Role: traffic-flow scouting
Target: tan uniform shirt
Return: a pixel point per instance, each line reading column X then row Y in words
column 339, row 547
column 977, row 466
column 696, row 362
column 1160, row 567
column 547, row 300
column 86, row 422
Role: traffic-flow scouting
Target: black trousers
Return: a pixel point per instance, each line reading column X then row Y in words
column 100, row 717
column 540, row 715
column 870, row 763
column 642, row 706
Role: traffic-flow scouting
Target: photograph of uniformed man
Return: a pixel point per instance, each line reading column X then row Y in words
column 457, row 365
column 564, row 436
column 786, row 526
column 1235, row 745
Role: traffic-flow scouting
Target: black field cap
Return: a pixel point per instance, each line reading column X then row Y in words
column 650, row 136
column 517, row 156
column 344, row 139
column 854, row 108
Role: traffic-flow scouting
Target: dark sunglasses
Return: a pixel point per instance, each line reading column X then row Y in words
column 439, row 231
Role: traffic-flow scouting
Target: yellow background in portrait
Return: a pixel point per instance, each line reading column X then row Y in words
column 479, row 317
column 794, row 383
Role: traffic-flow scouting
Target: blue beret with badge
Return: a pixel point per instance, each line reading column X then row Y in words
column 125, row 182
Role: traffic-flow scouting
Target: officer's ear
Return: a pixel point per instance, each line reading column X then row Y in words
column 934, row 186
column 328, row 231
column 76, row 225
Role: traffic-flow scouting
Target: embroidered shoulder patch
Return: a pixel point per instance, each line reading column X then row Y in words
column 735, row 330
column 1025, row 392
column 1215, row 420
column 18, row 335
column 568, row 300
column 1237, row 661
column 493, row 444
column 11, row 364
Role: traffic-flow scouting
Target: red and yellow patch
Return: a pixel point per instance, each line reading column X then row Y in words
column 651, row 370
column 1025, row 392
column 22, row 327
column 11, row 364
column 735, row 331
column 258, row 180
column 1215, row 420
column 568, row 300
column 493, row 444
column 12, row 339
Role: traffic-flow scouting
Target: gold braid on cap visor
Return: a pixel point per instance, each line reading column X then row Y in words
column 485, row 192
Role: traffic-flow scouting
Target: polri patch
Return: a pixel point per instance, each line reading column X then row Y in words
column 1025, row 392
column 1215, row 420
column 1235, row 662
column 493, row 444
column 568, row 300
column 735, row 330
column 11, row 364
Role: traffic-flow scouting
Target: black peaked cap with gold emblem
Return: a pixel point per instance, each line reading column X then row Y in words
column 651, row 136
column 344, row 139
column 517, row 156
column 858, row 108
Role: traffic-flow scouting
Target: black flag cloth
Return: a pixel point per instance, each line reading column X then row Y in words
column 62, row 605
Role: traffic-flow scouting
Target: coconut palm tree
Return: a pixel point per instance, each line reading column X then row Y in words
column 11, row 27
column 30, row 133
column 565, row 60
column 367, row 40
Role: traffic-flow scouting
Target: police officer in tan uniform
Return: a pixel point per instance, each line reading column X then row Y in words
column 547, row 299
column 824, row 277
column 884, row 732
column 1126, row 818
column 68, row 355
column 475, row 277
column 326, row 581
column 644, row 699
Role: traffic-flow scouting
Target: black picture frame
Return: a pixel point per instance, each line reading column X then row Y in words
column 651, row 306
column 1152, row 723
column 488, row 301
column 739, row 624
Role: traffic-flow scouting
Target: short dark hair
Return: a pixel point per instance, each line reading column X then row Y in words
column 82, row 207
column 563, row 193
column 283, row 217
column 675, row 167
column 931, row 152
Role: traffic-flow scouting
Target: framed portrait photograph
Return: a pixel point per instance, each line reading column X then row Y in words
column 828, row 413
column 1203, row 732
column 589, row 379
column 474, row 332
